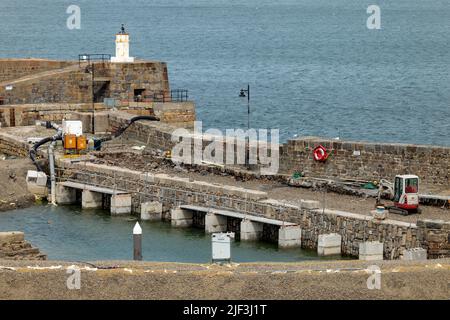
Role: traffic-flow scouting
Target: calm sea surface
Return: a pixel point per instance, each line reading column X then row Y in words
column 313, row 66
column 69, row 233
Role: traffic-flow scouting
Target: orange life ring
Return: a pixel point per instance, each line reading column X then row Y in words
column 320, row 153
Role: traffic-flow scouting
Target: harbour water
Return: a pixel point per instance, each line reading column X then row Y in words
column 313, row 65
column 69, row 233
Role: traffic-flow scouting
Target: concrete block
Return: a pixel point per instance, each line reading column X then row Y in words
column 181, row 217
column 370, row 251
column 414, row 254
column 120, row 204
column 310, row 204
column 65, row 195
column 329, row 244
column 151, row 211
column 289, row 236
column 215, row 223
column 91, row 200
column 251, row 230
column 11, row 236
column 101, row 122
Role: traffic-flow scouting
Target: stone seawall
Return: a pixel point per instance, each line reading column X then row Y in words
column 368, row 161
column 15, row 68
column 66, row 85
column 354, row 228
column 72, row 82
column 154, row 134
column 347, row 160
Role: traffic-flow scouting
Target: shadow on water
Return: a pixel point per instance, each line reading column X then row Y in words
column 69, row 233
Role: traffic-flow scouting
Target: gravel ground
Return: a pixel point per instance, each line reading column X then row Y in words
column 304, row 280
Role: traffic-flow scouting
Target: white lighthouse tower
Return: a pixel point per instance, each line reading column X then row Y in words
column 122, row 47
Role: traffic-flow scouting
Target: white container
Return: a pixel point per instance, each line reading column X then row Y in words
column 72, row 127
column 221, row 246
column 37, row 183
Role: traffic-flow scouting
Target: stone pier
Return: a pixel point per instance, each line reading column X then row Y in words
column 414, row 254
column 151, row 211
column 120, row 204
column 329, row 244
column 290, row 237
column 91, row 199
column 65, row 195
column 215, row 223
column 181, row 217
column 251, row 230
column 370, row 251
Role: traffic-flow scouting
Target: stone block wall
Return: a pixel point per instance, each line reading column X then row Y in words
column 68, row 86
column 14, row 247
column 367, row 161
column 27, row 114
column 154, row 134
column 436, row 237
column 15, row 68
column 67, row 82
column 175, row 113
column 150, row 76
column 11, row 146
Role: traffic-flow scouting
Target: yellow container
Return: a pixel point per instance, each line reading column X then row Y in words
column 70, row 141
column 81, row 143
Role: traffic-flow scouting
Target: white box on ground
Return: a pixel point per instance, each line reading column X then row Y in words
column 221, row 246
column 72, row 127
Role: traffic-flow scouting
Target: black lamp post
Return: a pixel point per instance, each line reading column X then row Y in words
column 242, row 95
column 247, row 149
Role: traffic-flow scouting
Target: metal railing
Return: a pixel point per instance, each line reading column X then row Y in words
column 177, row 95
column 89, row 57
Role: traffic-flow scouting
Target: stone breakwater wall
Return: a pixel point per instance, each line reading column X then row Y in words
column 368, row 161
column 16, row 68
column 67, row 81
column 154, row 134
column 61, row 85
column 14, row 247
column 347, row 160
column 354, row 228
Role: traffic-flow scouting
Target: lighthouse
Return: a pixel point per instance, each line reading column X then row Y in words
column 122, row 47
